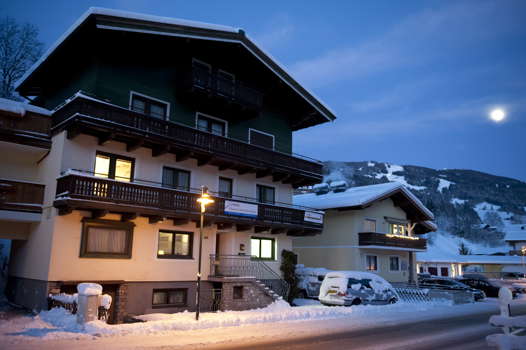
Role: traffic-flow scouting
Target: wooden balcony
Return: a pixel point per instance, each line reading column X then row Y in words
column 31, row 129
column 230, row 93
column 21, row 196
column 101, row 195
column 110, row 122
column 380, row 240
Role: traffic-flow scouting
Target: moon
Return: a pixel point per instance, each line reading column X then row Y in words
column 497, row 115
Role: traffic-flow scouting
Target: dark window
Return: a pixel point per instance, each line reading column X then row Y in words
column 211, row 125
column 432, row 271
column 202, row 74
column 113, row 166
column 225, row 187
column 175, row 245
column 149, row 107
column 169, row 297
column 444, row 271
column 265, row 194
column 263, row 248
column 261, row 139
column 226, row 83
column 238, row 292
column 176, row 178
column 106, row 239
column 371, row 262
column 421, row 269
column 394, row 263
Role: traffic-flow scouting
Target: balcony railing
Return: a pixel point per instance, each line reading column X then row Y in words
column 228, row 88
column 153, row 132
column 153, row 199
column 384, row 240
column 31, row 129
column 21, row 196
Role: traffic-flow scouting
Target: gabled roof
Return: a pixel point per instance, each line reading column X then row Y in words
column 362, row 197
column 190, row 29
column 515, row 232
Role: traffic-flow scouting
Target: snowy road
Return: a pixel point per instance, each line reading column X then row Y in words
column 404, row 326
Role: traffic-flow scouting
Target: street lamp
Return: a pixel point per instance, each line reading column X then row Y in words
column 523, row 252
column 204, row 200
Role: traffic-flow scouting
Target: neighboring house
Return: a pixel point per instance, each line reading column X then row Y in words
column 369, row 228
column 101, row 185
column 456, row 265
column 515, row 237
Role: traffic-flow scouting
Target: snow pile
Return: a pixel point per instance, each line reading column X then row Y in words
column 65, row 298
column 458, row 201
column 105, row 301
column 89, row 289
column 391, row 168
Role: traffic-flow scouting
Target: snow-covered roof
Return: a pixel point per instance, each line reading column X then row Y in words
column 20, row 108
column 240, row 38
column 360, row 196
column 515, row 232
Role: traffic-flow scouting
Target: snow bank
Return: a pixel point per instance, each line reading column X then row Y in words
column 89, row 289
column 65, row 298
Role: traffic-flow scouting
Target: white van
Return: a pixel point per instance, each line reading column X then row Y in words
column 354, row 288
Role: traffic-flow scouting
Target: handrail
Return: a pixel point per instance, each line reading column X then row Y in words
column 248, row 266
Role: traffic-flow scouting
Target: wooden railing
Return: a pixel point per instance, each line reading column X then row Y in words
column 31, row 129
column 177, row 135
column 165, row 200
column 21, row 196
column 380, row 239
column 231, row 89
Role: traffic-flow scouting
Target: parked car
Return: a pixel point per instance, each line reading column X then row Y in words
column 489, row 286
column 354, row 288
column 309, row 280
column 450, row 284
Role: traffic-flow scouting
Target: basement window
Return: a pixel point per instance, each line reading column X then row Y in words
column 169, row 297
column 238, row 292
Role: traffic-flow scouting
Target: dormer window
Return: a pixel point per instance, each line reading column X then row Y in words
column 149, row 106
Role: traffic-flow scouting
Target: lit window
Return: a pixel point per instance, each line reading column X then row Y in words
column 263, row 248
column 174, row 245
column 106, row 239
column 114, row 166
column 371, row 263
column 397, row 229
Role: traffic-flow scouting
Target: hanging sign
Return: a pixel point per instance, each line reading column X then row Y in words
column 313, row 216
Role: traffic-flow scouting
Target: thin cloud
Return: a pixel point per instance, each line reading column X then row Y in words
column 278, row 32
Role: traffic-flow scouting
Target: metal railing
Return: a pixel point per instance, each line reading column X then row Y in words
column 248, row 266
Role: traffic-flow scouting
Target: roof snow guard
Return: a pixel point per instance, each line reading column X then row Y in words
column 363, row 196
column 136, row 22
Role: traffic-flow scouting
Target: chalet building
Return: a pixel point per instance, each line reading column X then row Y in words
column 373, row 228
column 100, row 181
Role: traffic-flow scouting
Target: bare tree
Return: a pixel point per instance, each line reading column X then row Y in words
column 19, row 49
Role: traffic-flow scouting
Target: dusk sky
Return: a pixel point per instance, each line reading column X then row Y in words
column 411, row 82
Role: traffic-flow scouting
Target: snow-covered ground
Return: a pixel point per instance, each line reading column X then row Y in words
column 279, row 319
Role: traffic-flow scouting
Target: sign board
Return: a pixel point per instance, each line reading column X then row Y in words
column 313, row 216
column 241, row 209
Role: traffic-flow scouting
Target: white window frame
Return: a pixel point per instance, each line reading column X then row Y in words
column 371, row 219
column 211, row 117
column 264, row 133
column 377, row 263
column 399, row 263
column 166, row 117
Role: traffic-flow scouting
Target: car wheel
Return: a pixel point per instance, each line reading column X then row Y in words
column 356, row 301
column 392, row 301
column 302, row 294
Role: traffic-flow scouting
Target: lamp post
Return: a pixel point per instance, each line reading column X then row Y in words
column 523, row 252
column 204, row 200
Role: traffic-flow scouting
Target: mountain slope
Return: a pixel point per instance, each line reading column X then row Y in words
column 466, row 203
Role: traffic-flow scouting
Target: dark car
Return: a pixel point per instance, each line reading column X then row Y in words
column 488, row 286
column 450, row 284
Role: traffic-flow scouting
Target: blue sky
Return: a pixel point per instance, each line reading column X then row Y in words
column 411, row 82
